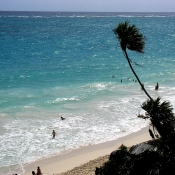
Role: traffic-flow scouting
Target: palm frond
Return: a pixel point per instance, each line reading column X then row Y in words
column 161, row 115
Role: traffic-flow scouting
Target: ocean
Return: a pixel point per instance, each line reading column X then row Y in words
column 55, row 64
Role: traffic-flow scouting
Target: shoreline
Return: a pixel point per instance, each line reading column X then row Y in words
column 65, row 162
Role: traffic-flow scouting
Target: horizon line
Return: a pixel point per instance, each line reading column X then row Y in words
column 76, row 11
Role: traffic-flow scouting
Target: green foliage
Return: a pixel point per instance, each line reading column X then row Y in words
column 146, row 163
column 157, row 162
column 123, row 147
column 119, row 164
column 129, row 37
column 161, row 116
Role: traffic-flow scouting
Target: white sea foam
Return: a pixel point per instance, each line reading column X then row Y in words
column 23, row 16
column 37, row 16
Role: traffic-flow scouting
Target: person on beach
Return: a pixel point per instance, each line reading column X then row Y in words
column 157, row 86
column 38, row 171
column 33, row 173
column 53, row 134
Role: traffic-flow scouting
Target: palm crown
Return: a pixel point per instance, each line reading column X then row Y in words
column 130, row 37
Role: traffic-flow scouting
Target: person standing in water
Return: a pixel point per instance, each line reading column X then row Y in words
column 157, row 86
column 53, row 134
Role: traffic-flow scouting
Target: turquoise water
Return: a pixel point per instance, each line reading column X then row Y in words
column 61, row 64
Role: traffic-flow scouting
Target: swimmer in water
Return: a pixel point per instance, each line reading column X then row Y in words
column 53, row 134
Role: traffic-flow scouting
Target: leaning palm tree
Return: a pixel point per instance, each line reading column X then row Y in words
column 130, row 38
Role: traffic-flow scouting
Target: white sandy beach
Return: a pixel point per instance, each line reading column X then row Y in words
column 62, row 163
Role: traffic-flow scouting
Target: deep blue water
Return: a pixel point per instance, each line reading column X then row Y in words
column 54, row 64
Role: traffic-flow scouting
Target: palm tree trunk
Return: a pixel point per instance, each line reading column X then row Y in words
column 126, row 55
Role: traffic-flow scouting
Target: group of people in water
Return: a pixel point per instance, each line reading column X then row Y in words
column 128, row 79
column 156, row 87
